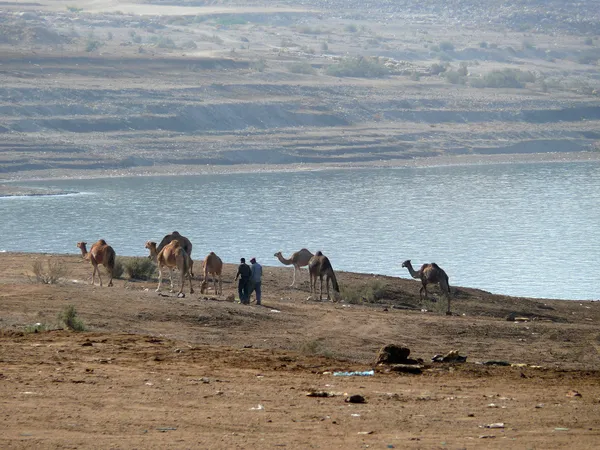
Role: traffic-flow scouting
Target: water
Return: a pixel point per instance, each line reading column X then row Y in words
column 521, row 229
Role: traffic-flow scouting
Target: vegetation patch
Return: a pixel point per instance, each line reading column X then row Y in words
column 139, row 268
column 51, row 273
column 371, row 292
column 363, row 67
column 68, row 317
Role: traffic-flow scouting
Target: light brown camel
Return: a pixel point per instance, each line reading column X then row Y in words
column 172, row 256
column 430, row 273
column 298, row 259
column 100, row 253
column 214, row 266
column 183, row 241
column 319, row 267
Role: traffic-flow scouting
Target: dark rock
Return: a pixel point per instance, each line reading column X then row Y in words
column 392, row 354
column 356, row 398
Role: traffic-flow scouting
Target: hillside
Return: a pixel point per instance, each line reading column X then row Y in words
column 146, row 87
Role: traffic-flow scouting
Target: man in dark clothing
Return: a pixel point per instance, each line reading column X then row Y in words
column 256, row 279
column 244, row 272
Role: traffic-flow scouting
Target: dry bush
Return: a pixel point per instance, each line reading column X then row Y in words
column 51, row 273
column 68, row 317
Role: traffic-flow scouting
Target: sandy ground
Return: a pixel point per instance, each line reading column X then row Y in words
column 157, row 371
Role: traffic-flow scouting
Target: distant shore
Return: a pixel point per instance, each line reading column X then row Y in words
column 10, row 185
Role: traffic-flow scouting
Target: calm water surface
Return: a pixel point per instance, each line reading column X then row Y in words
column 517, row 229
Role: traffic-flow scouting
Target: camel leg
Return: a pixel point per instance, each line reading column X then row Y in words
column 321, row 289
column 159, row 278
column 327, row 286
column 191, row 267
column 110, row 272
column 190, row 278
column 171, row 279
column 294, row 277
column 97, row 269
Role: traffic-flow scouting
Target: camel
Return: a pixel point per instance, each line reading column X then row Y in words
column 183, row 241
column 430, row 273
column 100, row 253
column 171, row 256
column 319, row 266
column 298, row 259
column 214, row 266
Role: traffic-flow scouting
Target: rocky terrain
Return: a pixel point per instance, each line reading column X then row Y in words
column 145, row 87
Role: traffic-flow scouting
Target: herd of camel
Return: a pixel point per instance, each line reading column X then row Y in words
column 175, row 250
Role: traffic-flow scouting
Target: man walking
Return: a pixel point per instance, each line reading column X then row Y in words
column 244, row 272
column 256, row 278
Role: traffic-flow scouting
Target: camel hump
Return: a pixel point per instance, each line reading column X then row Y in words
column 435, row 265
column 176, row 233
column 319, row 253
column 102, row 242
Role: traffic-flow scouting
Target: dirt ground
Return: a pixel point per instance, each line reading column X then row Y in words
column 157, row 371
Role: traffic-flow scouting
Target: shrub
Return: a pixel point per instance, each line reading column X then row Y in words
column 74, row 9
column 69, row 318
column 54, row 271
column 446, row 46
column 163, row 42
column 368, row 293
column 324, row 46
column 483, row 44
column 92, row 45
column 140, row 268
column 436, row 68
column 301, row 67
column 259, row 65
column 118, row 269
column 454, row 77
column 358, row 67
column 588, row 41
column 351, row 28
column 36, row 328
column 505, row 78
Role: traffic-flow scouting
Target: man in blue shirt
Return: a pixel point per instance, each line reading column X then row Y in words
column 256, row 278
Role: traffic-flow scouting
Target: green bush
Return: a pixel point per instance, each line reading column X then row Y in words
column 69, row 318
column 368, row 293
column 163, row 42
column 74, row 9
column 454, row 77
column 363, row 67
column 92, row 45
column 139, row 268
column 505, row 78
column 351, row 28
column 259, row 65
column 301, row 67
column 36, row 328
column 446, row 46
column 483, row 44
column 436, row 68
column 119, row 268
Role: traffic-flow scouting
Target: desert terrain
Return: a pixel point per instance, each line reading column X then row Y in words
column 156, row 371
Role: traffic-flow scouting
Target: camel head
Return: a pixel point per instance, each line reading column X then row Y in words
column 150, row 245
column 81, row 245
column 406, row 263
column 278, row 254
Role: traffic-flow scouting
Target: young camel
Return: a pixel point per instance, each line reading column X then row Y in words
column 172, row 256
column 298, row 259
column 319, row 267
column 184, row 242
column 100, row 253
column 212, row 265
column 430, row 273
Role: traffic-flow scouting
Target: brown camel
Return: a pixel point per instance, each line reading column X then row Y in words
column 212, row 265
column 100, row 253
column 319, row 267
column 183, row 241
column 298, row 259
column 172, row 256
column 430, row 273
